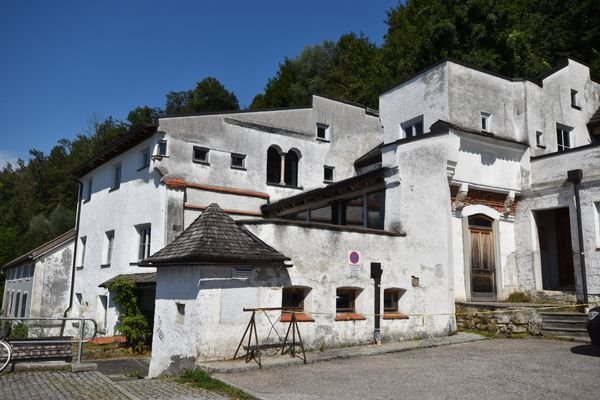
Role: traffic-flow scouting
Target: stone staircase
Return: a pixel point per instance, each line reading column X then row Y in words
column 566, row 325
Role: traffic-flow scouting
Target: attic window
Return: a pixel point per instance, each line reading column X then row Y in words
column 201, row 155
column 116, row 182
column 242, row 272
column 323, row 132
column 575, row 99
column 162, row 148
column 412, row 128
column 238, row 161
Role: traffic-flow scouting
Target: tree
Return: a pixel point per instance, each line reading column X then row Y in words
column 209, row 96
column 143, row 115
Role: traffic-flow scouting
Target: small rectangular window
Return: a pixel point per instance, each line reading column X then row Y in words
column 180, row 317
column 486, row 119
column 344, row 300
column 110, row 239
column 238, row 161
column 145, row 158
column 82, row 245
column 116, row 182
column 412, row 128
column 575, row 99
column 144, row 232
column 328, row 173
column 539, row 139
column 101, row 312
column 162, row 148
column 87, row 193
column 293, row 297
column 24, row 305
column 242, row 273
column 17, row 304
column 323, row 132
column 201, row 155
column 563, row 138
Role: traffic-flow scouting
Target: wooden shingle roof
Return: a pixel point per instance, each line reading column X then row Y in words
column 215, row 238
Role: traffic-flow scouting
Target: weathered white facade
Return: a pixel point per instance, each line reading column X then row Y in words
column 38, row 283
column 458, row 190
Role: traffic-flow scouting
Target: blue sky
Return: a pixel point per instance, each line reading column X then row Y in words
column 66, row 63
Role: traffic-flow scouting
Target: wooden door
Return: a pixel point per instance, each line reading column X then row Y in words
column 483, row 260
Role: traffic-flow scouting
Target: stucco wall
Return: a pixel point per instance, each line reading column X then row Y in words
column 215, row 322
column 140, row 199
column 353, row 133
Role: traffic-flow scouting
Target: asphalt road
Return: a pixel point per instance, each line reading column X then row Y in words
column 491, row 369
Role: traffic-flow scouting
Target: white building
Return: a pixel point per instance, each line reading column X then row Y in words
column 458, row 191
column 38, row 282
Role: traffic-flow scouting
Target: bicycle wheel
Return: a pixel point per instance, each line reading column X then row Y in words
column 5, row 354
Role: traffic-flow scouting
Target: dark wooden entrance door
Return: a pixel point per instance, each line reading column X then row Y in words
column 483, row 260
column 564, row 249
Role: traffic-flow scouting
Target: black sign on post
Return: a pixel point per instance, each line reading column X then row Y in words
column 376, row 272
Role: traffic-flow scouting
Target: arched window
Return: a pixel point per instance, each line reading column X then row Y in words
column 291, row 168
column 273, row 165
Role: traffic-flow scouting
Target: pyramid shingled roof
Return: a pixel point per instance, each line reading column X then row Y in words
column 215, row 238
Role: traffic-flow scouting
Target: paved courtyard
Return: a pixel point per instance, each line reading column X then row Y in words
column 93, row 385
column 490, row 369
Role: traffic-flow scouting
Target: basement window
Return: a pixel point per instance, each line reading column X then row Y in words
column 201, row 155
column 391, row 298
column 345, row 304
column 294, row 297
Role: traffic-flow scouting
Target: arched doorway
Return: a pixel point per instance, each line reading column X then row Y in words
column 482, row 257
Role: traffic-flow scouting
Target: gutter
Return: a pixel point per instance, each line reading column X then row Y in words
column 79, row 196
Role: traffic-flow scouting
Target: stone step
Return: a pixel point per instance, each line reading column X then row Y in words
column 559, row 324
column 564, row 316
column 568, row 332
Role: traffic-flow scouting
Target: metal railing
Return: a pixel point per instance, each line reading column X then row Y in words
column 80, row 340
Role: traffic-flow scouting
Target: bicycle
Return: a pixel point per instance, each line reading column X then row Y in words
column 5, row 349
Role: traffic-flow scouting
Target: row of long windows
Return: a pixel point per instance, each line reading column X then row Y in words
column 16, row 303
column 23, row 272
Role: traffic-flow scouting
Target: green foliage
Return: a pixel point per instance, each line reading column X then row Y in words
column 19, row 331
column 209, row 96
column 133, row 324
column 202, row 379
column 143, row 115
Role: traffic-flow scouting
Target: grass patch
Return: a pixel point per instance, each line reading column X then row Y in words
column 199, row 378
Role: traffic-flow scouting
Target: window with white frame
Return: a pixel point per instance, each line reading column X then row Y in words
column 412, row 128
column 144, row 233
column 116, row 177
column 109, row 246
column 238, row 161
column 201, row 154
column 162, row 148
column 323, row 132
column 563, row 138
column 539, row 139
column 486, row 122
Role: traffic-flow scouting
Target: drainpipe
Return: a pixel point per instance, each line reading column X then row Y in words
column 574, row 176
column 376, row 275
column 79, row 195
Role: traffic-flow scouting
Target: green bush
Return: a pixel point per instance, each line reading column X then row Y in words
column 132, row 323
column 519, row 297
column 19, row 331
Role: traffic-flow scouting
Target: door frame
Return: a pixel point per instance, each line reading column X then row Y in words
column 494, row 215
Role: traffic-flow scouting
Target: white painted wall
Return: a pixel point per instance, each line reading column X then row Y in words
column 214, row 321
column 140, row 199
